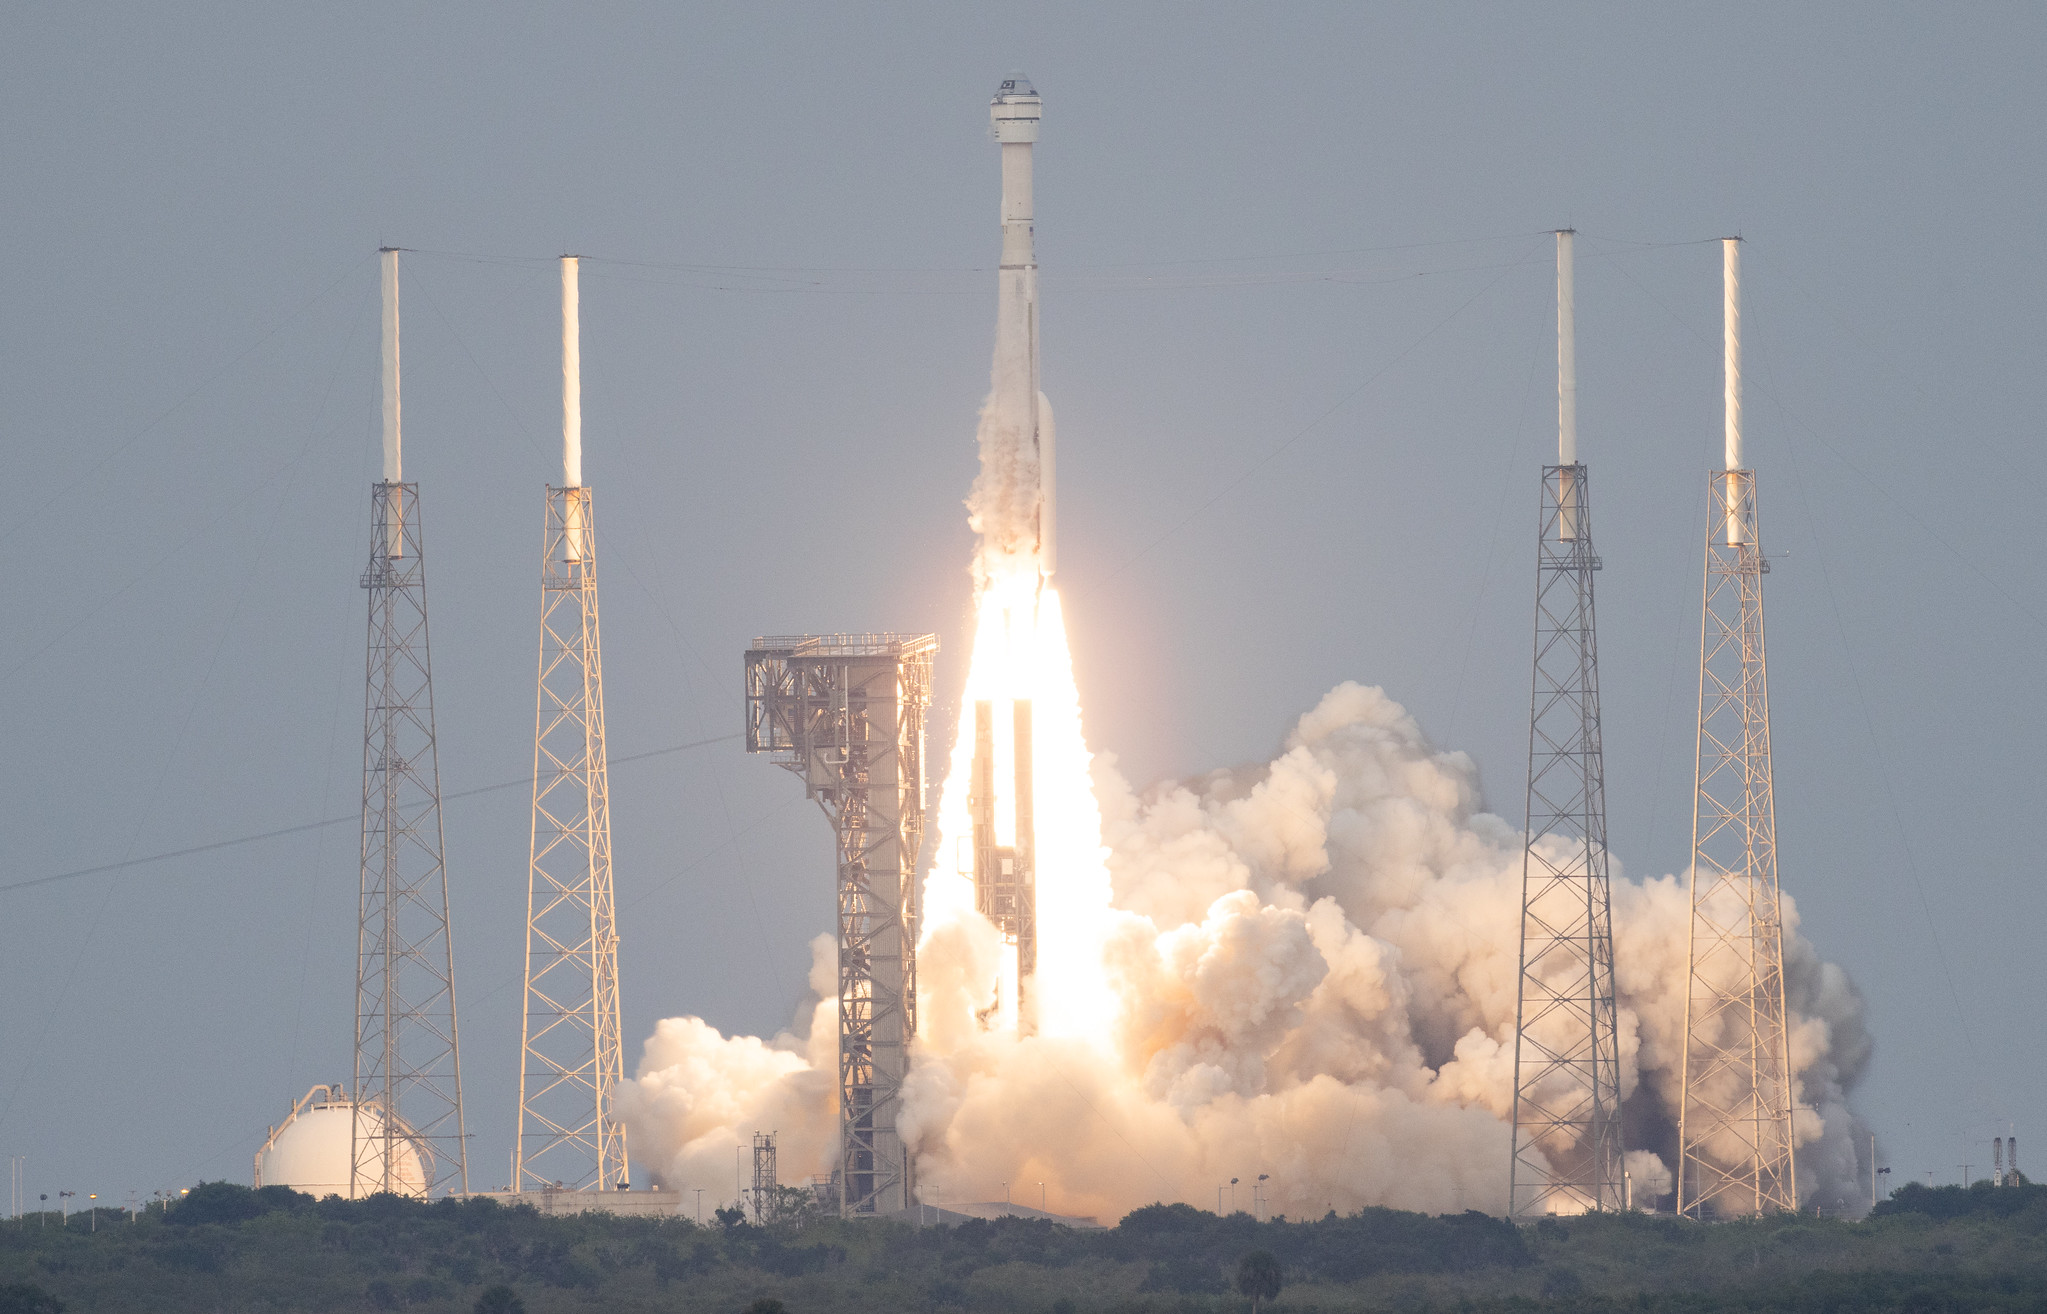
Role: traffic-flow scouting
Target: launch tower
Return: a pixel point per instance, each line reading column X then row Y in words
column 572, row 1059
column 846, row 713
column 1734, row 1125
column 1567, row 1127
column 407, row 1136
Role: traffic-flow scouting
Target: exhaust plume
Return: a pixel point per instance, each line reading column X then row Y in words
column 1310, row 972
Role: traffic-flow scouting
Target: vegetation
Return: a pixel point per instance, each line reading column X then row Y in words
column 1260, row 1277
column 229, row 1249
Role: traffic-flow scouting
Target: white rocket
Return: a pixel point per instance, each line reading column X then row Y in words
column 1015, row 113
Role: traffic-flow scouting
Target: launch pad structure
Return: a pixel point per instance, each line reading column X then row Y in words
column 766, row 1178
column 1567, row 1151
column 408, row 1066
column 845, row 712
column 572, row 1058
column 1735, row 1150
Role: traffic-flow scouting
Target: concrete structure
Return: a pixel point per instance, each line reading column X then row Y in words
column 554, row 1201
column 952, row 1215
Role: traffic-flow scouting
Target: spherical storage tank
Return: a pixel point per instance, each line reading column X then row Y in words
column 311, row 1150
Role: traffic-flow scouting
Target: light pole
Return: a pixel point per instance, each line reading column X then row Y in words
column 1041, row 1197
column 95, row 1207
column 1233, row 1195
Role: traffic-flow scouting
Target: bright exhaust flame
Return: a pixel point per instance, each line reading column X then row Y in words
column 1303, row 968
column 1020, row 652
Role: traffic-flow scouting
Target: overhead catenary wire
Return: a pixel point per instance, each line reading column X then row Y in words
column 1875, row 484
column 520, row 424
column 1273, row 453
column 1876, row 744
column 62, row 496
column 965, row 280
column 305, row 826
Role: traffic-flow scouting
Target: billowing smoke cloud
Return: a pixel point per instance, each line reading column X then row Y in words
column 1311, row 969
column 699, row 1093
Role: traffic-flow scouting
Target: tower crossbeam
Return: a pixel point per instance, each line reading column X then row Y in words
column 1567, row 1129
column 846, row 713
column 573, row 1058
column 408, row 1139
column 1734, row 1130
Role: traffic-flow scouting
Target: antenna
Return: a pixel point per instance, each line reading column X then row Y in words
column 407, row 1136
column 1735, row 1152
column 1567, row 1129
column 572, row 1053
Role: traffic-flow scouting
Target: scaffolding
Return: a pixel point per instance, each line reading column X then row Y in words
column 407, row 1063
column 572, row 1057
column 766, row 1179
column 845, row 712
column 1567, row 1128
column 1735, row 1152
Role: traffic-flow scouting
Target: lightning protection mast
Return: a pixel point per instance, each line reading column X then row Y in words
column 408, row 1134
column 571, row 1056
column 846, row 713
column 1567, row 1126
column 1734, row 1123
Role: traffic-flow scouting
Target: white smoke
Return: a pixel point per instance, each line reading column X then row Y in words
column 698, row 1093
column 1002, row 506
column 1312, row 976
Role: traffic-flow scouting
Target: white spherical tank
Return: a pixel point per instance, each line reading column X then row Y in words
column 311, row 1150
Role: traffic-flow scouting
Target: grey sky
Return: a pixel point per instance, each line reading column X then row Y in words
column 1297, row 324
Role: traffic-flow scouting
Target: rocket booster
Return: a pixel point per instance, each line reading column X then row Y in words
column 1015, row 113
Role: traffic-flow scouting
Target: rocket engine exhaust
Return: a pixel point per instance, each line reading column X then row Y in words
column 1302, row 967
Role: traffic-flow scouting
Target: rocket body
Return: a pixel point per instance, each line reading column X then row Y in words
column 1016, row 403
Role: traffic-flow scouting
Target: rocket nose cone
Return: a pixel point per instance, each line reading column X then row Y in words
column 1015, row 85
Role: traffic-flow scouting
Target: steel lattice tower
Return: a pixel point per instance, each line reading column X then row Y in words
column 846, row 713
column 408, row 1132
column 1735, row 1153
column 572, row 1058
column 1567, row 1128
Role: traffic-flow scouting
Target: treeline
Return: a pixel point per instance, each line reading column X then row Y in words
column 227, row 1248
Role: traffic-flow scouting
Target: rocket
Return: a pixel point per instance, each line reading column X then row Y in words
column 1014, row 114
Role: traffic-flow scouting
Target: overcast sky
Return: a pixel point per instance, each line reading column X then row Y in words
column 1298, row 325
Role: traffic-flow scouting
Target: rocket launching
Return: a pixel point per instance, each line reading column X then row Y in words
column 1304, row 967
column 1024, row 513
column 1014, row 505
